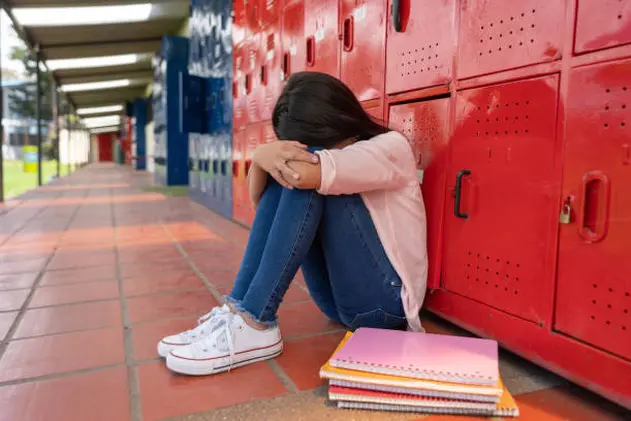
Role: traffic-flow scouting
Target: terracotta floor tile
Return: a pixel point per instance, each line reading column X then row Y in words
column 98, row 396
column 13, row 300
column 73, row 293
column 51, row 320
column 220, row 277
column 152, row 253
column 19, row 280
column 147, row 335
column 154, row 268
column 302, row 359
column 6, row 321
column 69, row 276
column 303, row 318
column 567, row 403
column 167, row 306
column 77, row 259
column 22, row 266
column 18, row 257
column 62, row 353
column 164, row 394
column 151, row 284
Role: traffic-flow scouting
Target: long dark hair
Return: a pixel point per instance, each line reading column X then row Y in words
column 319, row 110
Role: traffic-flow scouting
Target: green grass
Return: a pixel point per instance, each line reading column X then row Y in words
column 173, row 191
column 16, row 181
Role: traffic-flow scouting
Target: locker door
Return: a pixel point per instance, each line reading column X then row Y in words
column 239, row 190
column 501, row 221
column 225, row 197
column 420, row 44
column 594, row 269
column 270, row 11
column 363, row 31
column 426, row 125
column 602, row 24
column 214, row 105
column 252, row 16
column 239, row 107
column 192, row 103
column 293, row 35
column 252, row 77
column 267, row 132
column 239, row 23
column 193, row 178
column 322, row 44
column 497, row 35
column 270, row 69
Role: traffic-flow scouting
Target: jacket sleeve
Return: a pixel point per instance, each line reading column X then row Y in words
column 383, row 162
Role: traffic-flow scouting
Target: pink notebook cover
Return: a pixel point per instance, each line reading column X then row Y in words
column 420, row 355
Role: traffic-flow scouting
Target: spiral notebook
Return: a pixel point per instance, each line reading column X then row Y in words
column 379, row 401
column 425, row 356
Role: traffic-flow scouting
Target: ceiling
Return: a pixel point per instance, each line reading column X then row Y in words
column 87, row 41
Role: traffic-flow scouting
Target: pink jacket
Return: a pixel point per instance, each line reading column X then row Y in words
column 383, row 171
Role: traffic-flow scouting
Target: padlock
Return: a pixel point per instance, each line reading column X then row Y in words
column 566, row 214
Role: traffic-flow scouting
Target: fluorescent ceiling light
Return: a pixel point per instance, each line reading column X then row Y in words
column 89, row 62
column 105, row 129
column 101, row 121
column 93, row 86
column 72, row 16
column 100, row 110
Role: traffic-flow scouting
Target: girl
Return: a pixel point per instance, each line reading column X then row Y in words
column 337, row 196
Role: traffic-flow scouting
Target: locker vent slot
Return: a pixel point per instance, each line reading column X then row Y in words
column 611, row 309
column 424, row 59
column 506, row 34
column 502, row 119
column 483, row 270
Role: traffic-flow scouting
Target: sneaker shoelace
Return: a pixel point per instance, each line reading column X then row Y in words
column 222, row 334
column 207, row 321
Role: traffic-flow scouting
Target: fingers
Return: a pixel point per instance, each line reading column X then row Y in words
column 296, row 154
column 295, row 144
column 287, row 171
column 278, row 176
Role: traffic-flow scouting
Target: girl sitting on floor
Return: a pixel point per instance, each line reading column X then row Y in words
column 337, row 196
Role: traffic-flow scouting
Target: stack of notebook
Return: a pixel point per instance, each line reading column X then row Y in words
column 389, row 370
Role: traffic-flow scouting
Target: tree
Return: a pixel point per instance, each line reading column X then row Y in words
column 22, row 98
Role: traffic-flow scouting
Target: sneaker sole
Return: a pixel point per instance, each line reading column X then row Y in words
column 192, row 368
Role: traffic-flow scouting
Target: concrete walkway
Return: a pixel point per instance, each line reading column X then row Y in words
column 94, row 271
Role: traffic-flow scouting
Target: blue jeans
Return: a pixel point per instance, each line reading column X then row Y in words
column 334, row 241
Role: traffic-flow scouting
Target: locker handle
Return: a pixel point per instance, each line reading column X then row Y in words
column 458, row 194
column 286, row 70
column 235, row 168
column 224, row 167
column 235, row 89
column 248, row 84
column 311, row 51
column 349, row 33
column 593, row 217
column 264, row 75
column 396, row 15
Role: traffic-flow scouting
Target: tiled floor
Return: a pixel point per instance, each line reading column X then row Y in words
column 93, row 272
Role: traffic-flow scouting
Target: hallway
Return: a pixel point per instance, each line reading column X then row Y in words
column 94, row 270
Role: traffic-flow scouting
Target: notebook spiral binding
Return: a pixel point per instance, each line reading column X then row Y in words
column 413, row 372
column 417, row 392
column 500, row 412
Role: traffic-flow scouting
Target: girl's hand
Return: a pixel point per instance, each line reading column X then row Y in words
column 272, row 158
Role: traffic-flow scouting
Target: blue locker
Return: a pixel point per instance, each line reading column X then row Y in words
column 140, row 115
column 171, row 155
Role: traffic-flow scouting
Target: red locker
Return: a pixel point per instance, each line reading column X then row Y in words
column 239, row 186
column 105, row 141
column 253, row 16
column 602, row 24
column 270, row 72
column 322, row 44
column 426, row 125
column 501, row 223
column 594, row 269
column 420, row 44
column 252, row 79
column 267, row 132
column 270, row 11
column 363, row 30
column 375, row 109
column 498, row 35
column 239, row 22
column 239, row 100
column 293, row 35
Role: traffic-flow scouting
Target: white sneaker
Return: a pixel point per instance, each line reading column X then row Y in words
column 231, row 344
column 204, row 327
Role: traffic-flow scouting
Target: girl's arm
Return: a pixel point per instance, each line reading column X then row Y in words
column 257, row 180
